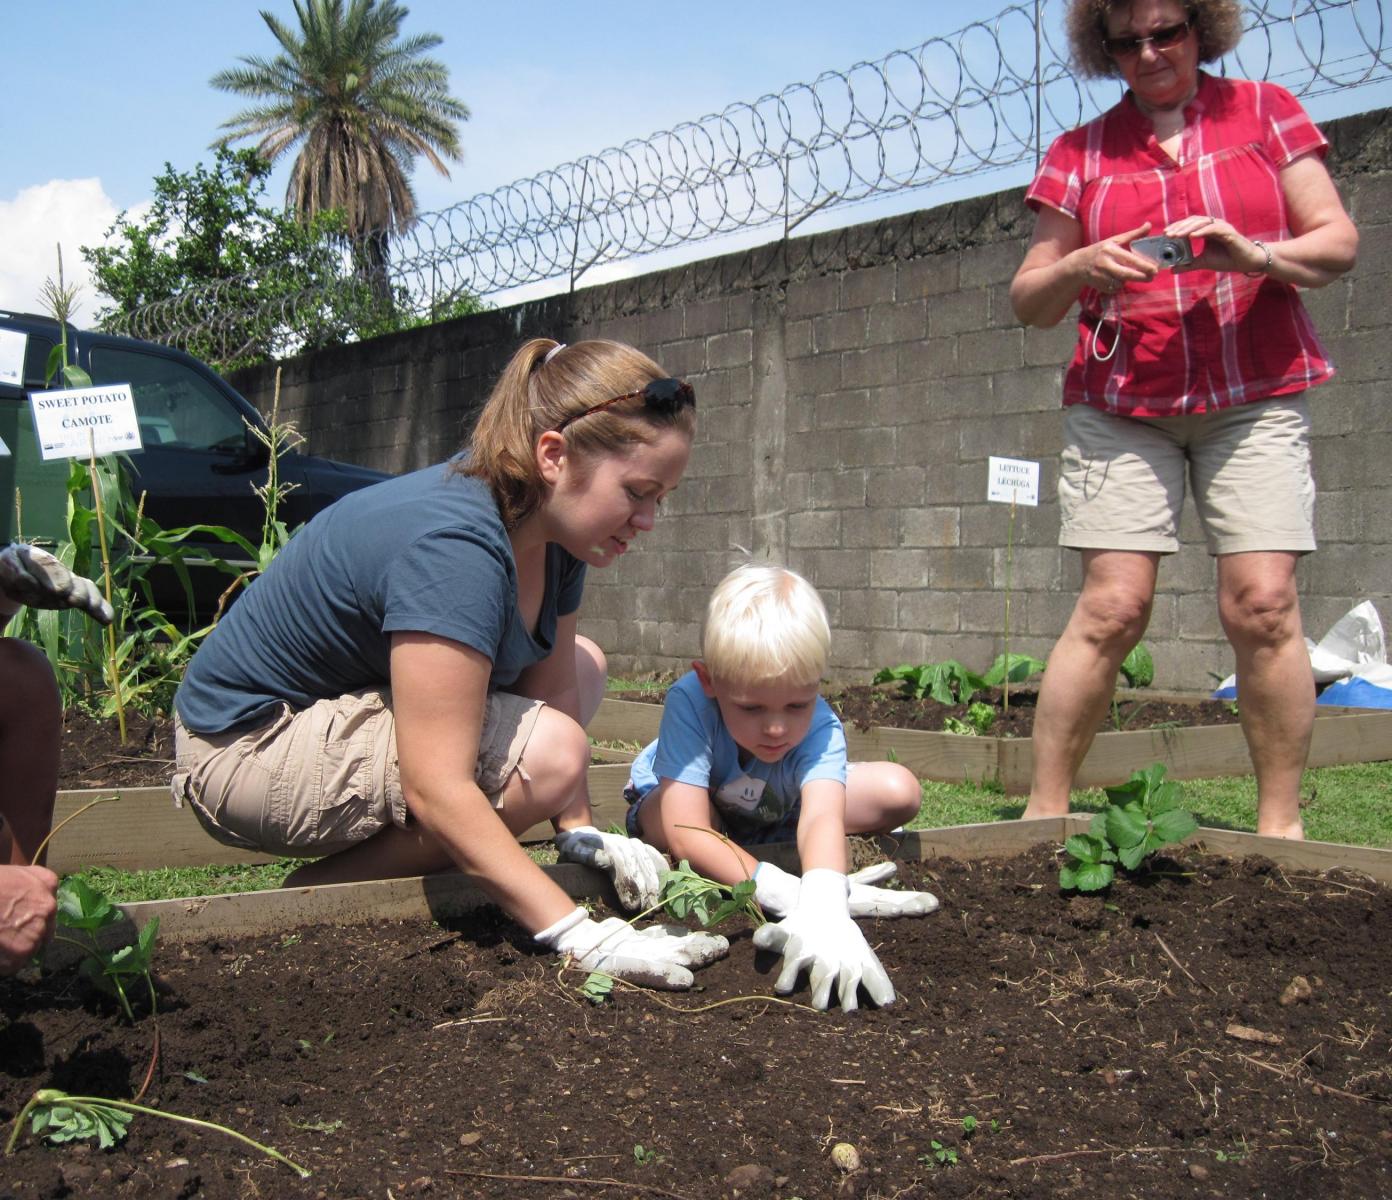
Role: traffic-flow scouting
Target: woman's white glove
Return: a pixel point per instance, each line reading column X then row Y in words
column 659, row 956
column 869, row 901
column 34, row 577
column 636, row 866
column 820, row 936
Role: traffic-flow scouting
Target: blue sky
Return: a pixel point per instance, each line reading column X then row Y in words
column 102, row 93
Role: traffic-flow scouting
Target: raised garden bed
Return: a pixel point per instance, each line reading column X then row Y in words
column 398, row 1040
column 1188, row 750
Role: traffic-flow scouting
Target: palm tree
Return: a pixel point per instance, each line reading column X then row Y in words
column 363, row 103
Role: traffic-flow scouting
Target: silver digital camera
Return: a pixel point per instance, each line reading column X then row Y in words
column 1167, row 251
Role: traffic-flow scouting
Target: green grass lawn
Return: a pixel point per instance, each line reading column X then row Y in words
column 1351, row 804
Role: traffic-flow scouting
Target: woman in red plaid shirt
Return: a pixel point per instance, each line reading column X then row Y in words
column 1192, row 356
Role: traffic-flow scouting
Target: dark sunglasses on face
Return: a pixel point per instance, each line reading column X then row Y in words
column 662, row 396
column 1162, row 39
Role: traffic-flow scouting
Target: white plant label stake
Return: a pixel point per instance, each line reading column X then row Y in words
column 80, row 422
column 1012, row 481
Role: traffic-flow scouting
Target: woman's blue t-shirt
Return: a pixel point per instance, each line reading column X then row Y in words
column 425, row 552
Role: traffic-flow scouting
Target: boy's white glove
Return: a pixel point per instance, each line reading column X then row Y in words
column 636, row 866
column 869, row 901
column 820, row 936
column 777, row 893
column 658, row 957
column 34, row 577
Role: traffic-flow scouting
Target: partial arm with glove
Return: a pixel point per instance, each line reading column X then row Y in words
column 776, row 892
column 33, row 577
column 660, row 956
column 820, row 937
column 636, row 867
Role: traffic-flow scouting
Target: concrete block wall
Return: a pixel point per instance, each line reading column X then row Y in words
column 851, row 386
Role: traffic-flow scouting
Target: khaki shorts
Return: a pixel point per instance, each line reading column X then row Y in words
column 1121, row 480
column 315, row 781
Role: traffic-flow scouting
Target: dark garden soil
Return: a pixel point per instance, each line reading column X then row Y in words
column 1215, row 1028
column 863, row 706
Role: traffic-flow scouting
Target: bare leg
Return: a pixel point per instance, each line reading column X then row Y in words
column 554, row 765
column 879, row 796
column 1112, row 612
column 1260, row 611
column 31, row 725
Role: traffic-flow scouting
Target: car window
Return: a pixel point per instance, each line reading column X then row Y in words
column 174, row 405
column 36, row 352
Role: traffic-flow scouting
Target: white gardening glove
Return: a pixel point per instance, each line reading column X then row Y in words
column 636, row 866
column 34, row 577
column 775, row 891
column 658, row 956
column 820, row 936
column 869, row 901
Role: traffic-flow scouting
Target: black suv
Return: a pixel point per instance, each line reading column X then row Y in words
column 199, row 460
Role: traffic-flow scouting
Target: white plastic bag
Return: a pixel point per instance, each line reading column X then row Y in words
column 1351, row 658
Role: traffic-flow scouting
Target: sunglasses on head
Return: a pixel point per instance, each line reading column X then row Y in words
column 662, row 396
column 1162, row 39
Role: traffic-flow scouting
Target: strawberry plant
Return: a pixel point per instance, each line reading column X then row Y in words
column 82, row 908
column 64, row 1118
column 1142, row 815
column 686, row 893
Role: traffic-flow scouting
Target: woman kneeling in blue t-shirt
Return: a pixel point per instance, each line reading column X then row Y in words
column 403, row 690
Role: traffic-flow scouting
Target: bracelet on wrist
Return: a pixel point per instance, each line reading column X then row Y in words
column 1265, row 268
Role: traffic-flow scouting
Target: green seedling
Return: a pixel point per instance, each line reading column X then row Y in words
column 1091, row 869
column 63, row 1118
column 318, row 1126
column 969, row 1126
column 82, row 908
column 597, row 987
column 645, row 1157
column 943, row 1156
column 1142, row 815
column 979, row 719
column 687, row 893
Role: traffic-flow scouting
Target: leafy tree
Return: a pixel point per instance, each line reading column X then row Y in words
column 363, row 103
column 240, row 281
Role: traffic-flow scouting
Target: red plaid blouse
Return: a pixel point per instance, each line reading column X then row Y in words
column 1195, row 340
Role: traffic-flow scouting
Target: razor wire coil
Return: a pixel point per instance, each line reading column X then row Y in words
column 955, row 106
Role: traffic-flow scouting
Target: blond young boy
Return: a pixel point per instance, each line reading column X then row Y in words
column 748, row 747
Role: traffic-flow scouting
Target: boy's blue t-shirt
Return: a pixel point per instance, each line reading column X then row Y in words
column 424, row 552
column 693, row 746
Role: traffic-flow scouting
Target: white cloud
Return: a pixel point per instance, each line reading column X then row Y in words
column 70, row 212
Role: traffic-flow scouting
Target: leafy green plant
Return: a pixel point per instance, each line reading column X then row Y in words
column 1091, row 867
column 61, row 1117
column 1012, row 668
column 1138, row 667
column 969, row 1125
column 949, row 682
column 84, row 909
column 1142, row 815
column 685, row 892
column 645, row 1157
column 977, row 723
column 946, row 682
